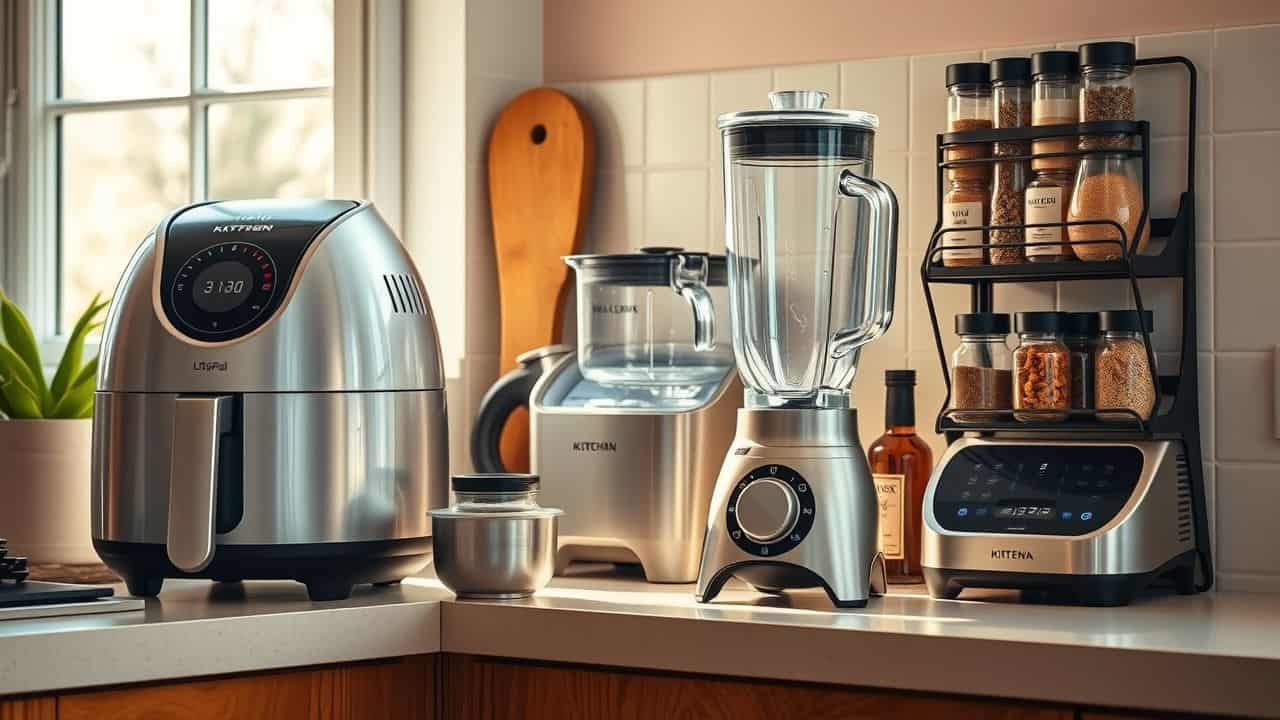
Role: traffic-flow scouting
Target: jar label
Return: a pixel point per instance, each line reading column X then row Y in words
column 962, row 214
column 889, row 493
column 1044, row 205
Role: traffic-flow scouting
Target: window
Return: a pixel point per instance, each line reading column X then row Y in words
column 157, row 103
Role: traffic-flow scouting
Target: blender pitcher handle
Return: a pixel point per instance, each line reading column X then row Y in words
column 883, row 260
column 689, row 278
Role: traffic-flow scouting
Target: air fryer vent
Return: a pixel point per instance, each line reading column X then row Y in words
column 405, row 295
column 1184, row 499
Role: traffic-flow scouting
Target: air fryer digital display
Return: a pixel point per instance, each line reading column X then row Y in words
column 228, row 265
column 1035, row 489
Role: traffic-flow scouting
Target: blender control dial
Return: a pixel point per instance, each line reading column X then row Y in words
column 770, row 510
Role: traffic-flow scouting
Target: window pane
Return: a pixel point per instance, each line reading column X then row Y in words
column 121, row 173
column 270, row 44
column 271, row 148
column 125, row 48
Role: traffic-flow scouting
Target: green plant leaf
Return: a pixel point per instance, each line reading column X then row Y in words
column 74, row 353
column 72, row 402
column 17, row 333
column 22, row 400
column 13, row 367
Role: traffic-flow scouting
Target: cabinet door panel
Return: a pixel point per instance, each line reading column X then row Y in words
column 487, row 689
column 29, row 709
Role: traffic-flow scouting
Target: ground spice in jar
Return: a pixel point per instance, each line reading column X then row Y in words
column 1122, row 376
column 981, row 388
column 1112, row 193
column 969, row 151
column 965, row 204
column 1107, row 102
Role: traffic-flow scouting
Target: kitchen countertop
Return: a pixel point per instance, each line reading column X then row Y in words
column 1216, row 652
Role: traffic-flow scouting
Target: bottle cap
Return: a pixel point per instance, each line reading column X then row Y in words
column 899, row 377
column 1107, row 53
column 974, row 73
column 1015, row 70
column 1040, row 322
column 1055, row 62
column 1126, row 321
column 982, row 324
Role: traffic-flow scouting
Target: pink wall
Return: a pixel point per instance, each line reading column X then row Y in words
column 595, row 39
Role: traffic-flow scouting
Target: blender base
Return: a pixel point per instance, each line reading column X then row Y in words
column 794, row 507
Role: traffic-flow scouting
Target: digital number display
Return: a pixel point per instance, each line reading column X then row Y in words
column 1030, row 511
column 222, row 286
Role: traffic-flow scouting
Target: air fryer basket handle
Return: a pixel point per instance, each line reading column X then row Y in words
column 198, row 426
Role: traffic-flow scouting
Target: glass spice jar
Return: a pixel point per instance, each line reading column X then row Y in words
column 965, row 204
column 1108, row 186
column 1107, row 90
column 1041, row 368
column 969, row 108
column 1054, row 101
column 1081, row 338
column 1123, row 377
column 1011, row 100
column 981, row 367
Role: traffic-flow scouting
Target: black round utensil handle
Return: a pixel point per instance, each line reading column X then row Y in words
column 511, row 391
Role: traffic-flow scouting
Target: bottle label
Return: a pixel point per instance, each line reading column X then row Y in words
column 962, row 214
column 892, row 510
column 1044, row 205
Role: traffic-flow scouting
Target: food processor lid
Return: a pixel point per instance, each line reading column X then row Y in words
column 802, row 108
column 650, row 266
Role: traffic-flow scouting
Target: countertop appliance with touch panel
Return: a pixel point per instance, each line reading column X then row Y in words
column 1085, row 505
column 812, row 240
column 270, row 402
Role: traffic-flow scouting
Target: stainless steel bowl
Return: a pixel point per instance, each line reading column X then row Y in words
column 496, row 555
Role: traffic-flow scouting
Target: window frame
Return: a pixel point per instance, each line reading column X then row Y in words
column 365, row 96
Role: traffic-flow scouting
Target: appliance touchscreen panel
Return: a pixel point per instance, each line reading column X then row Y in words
column 1035, row 490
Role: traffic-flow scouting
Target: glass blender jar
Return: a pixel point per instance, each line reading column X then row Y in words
column 812, row 244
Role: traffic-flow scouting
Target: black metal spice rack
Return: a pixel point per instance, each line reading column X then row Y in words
column 1177, row 413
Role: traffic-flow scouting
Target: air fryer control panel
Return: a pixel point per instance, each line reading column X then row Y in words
column 1035, row 489
column 227, row 265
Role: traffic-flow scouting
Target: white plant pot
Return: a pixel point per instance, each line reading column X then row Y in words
column 44, row 490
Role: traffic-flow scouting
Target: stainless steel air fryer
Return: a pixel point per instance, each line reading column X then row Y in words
column 270, row 402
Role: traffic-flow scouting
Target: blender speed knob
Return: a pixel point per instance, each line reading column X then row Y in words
column 767, row 510
column 770, row 511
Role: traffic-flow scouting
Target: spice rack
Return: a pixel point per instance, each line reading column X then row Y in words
column 1171, row 254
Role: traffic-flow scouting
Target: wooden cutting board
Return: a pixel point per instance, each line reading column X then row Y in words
column 541, row 164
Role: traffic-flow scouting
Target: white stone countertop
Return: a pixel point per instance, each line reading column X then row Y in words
column 1213, row 653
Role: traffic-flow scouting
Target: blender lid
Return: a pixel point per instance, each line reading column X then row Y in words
column 799, row 107
column 650, row 266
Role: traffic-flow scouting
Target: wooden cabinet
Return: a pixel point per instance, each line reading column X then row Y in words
column 402, row 689
column 493, row 689
column 43, row 708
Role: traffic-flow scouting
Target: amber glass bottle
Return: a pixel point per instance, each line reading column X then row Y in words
column 900, row 463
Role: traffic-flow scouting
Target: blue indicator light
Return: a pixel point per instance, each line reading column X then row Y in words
column 962, row 511
column 1086, row 515
column 1066, row 515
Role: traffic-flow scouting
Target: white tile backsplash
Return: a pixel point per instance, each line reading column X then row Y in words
column 675, row 116
column 659, row 182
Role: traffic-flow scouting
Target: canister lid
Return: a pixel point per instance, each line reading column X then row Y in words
column 1107, row 53
column 494, row 482
column 650, row 266
column 1011, row 70
column 1040, row 322
column 1081, row 323
column 968, row 73
column 1055, row 62
column 799, row 107
column 1126, row 321
column 982, row 324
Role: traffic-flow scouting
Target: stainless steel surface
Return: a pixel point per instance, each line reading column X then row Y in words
column 797, row 99
column 1143, row 535
column 495, row 555
column 767, row 510
column 336, row 331
column 799, row 107
column 198, row 426
column 840, row 549
column 635, row 484
column 318, row 467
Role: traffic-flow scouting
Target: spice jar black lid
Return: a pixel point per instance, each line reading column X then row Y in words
column 982, row 324
column 1060, row 62
column 1011, row 70
column 1047, row 321
column 899, row 377
column 1126, row 321
column 972, row 73
column 1082, row 323
column 1107, row 53
column 494, row 482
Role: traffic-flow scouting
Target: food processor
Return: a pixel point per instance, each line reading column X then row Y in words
column 627, row 433
column 812, row 242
